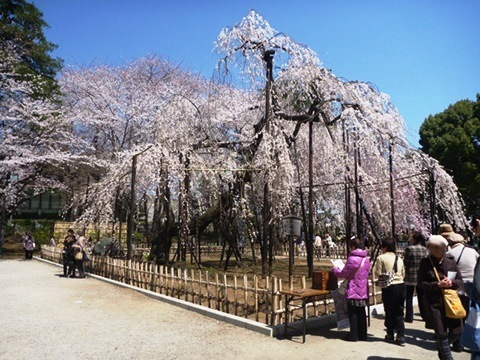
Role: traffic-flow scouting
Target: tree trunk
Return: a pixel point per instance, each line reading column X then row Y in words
column 162, row 233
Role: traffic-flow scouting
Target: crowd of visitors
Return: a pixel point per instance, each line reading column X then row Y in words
column 444, row 273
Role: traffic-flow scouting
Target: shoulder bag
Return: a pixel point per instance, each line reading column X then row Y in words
column 461, row 253
column 79, row 256
column 385, row 280
column 453, row 305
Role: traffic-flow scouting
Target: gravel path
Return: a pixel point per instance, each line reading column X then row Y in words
column 44, row 316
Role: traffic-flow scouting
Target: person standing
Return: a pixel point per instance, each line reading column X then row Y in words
column 79, row 254
column 446, row 330
column 357, row 271
column 68, row 257
column 466, row 259
column 393, row 296
column 28, row 245
column 328, row 244
column 475, row 295
column 415, row 252
column 318, row 246
column 298, row 244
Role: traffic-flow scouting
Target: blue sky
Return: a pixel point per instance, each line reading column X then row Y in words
column 424, row 53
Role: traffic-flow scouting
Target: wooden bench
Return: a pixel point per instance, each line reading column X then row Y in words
column 305, row 296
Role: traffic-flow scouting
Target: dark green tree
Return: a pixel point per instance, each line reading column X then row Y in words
column 453, row 138
column 22, row 26
column 26, row 62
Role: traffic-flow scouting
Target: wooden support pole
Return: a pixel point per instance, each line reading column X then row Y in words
column 392, row 190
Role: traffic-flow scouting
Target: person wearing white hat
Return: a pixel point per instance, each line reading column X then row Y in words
column 475, row 224
column 466, row 259
column 446, row 330
column 465, row 256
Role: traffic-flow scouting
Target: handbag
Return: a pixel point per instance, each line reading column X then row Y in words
column 385, row 280
column 471, row 331
column 453, row 305
column 79, row 256
column 342, row 289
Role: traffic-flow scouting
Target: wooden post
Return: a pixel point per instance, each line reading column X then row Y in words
column 392, row 194
column 255, row 282
column 207, row 279
column 266, row 218
column 179, row 282
column 217, row 285
column 348, row 209
column 245, row 296
column 291, row 256
column 154, row 278
column 172, row 282
column 130, row 272
column 192, row 286
column 268, row 304
column 309, row 237
column 226, row 307
column 275, row 301
column 235, row 300
column 280, row 303
column 358, row 208
column 433, row 200
column 160, row 270
column 268, row 58
column 185, row 283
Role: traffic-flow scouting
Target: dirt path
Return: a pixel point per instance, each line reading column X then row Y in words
column 43, row 316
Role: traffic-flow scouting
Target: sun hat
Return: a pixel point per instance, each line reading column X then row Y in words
column 445, row 230
column 437, row 240
column 456, row 238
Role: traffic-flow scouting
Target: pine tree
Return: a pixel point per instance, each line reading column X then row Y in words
column 22, row 26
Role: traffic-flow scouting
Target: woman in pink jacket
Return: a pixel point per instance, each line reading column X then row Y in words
column 357, row 271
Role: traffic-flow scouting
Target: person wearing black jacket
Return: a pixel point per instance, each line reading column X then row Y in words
column 413, row 254
column 446, row 330
column 68, row 255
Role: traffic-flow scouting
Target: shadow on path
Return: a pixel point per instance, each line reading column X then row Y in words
column 420, row 338
column 414, row 337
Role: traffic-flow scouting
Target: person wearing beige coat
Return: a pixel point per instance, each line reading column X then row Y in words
column 393, row 296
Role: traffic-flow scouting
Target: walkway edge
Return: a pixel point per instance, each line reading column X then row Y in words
column 271, row 331
column 202, row 310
